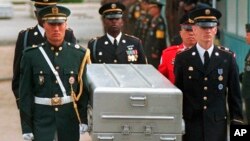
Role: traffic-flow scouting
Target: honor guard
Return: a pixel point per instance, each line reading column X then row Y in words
column 115, row 46
column 53, row 90
column 246, row 77
column 155, row 41
column 207, row 75
column 31, row 37
column 166, row 66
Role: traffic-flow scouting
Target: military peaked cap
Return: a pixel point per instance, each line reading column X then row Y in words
column 112, row 10
column 248, row 27
column 54, row 14
column 185, row 22
column 157, row 2
column 43, row 3
column 205, row 17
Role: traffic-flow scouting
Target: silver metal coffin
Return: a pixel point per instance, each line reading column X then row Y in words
column 133, row 103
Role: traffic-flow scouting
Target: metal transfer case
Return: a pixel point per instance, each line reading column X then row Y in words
column 133, row 103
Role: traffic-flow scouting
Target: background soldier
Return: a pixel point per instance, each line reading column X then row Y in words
column 208, row 77
column 155, row 41
column 246, row 77
column 115, row 46
column 142, row 23
column 52, row 98
column 166, row 66
column 30, row 37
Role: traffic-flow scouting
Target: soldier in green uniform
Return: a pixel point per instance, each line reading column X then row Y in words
column 246, row 77
column 32, row 36
column 53, row 91
column 115, row 46
column 155, row 41
column 142, row 23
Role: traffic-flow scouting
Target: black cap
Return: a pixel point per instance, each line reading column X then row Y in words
column 54, row 14
column 205, row 17
column 188, row 2
column 248, row 27
column 112, row 10
column 157, row 2
column 185, row 22
column 39, row 4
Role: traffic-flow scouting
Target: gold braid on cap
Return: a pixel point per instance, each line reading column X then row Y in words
column 111, row 10
column 45, row 3
column 205, row 17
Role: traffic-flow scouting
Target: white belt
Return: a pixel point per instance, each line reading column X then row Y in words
column 53, row 101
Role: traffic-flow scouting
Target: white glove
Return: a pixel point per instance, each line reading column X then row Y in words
column 28, row 136
column 83, row 128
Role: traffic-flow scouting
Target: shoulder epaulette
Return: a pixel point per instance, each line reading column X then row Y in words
column 225, row 49
column 69, row 29
column 132, row 36
column 183, row 50
column 30, row 48
column 93, row 39
column 77, row 46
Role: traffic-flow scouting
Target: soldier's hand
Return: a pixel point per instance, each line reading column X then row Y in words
column 28, row 136
column 83, row 128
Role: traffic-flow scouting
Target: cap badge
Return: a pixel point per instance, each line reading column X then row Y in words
column 54, row 10
column 113, row 5
column 45, row 0
column 207, row 11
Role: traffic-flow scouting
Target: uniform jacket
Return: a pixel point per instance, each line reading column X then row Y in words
column 34, row 38
column 246, row 78
column 37, row 79
column 129, row 50
column 166, row 66
column 155, row 41
column 205, row 93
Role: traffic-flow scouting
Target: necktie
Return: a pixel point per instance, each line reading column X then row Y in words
column 206, row 59
column 115, row 43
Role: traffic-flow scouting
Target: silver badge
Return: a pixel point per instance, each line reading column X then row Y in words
column 124, row 41
column 41, row 80
column 216, row 54
column 71, row 80
column 220, row 86
column 106, row 42
column 193, row 53
column 35, row 33
column 190, row 68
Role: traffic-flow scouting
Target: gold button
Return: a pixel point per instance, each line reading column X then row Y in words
column 205, row 78
column 115, row 61
column 71, row 72
column 57, row 67
column 56, row 109
column 205, row 88
column 56, row 95
column 41, row 72
column 205, row 107
column 190, row 77
column 56, row 82
column 52, row 48
column 56, row 53
column 60, row 48
column 204, row 98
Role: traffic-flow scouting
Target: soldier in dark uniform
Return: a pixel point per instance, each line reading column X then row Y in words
column 142, row 23
column 115, row 46
column 53, row 90
column 155, row 41
column 246, row 77
column 29, row 37
column 208, row 77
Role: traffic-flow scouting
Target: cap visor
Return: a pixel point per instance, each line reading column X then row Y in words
column 206, row 24
column 113, row 16
column 56, row 21
column 187, row 27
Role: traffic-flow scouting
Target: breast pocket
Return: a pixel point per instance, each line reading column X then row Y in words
column 70, row 79
column 41, row 77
